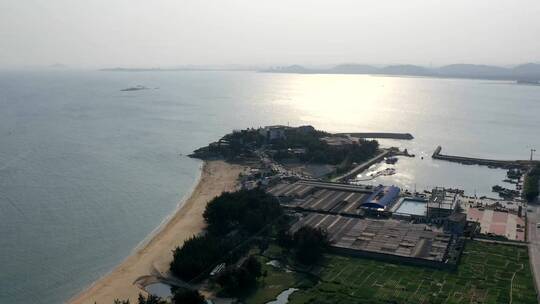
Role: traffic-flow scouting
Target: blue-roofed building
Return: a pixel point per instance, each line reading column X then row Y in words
column 382, row 197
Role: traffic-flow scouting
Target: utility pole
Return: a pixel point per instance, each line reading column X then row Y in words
column 532, row 151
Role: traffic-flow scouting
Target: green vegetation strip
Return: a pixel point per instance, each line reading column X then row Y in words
column 488, row 273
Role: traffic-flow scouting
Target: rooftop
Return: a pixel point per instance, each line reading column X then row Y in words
column 442, row 199
column 338, row 140
column 380, row 236
column 382, row 197
column 321, row 197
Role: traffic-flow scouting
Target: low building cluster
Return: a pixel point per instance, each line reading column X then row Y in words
column 378, row 221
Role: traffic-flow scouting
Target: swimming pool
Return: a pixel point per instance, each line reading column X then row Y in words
column 412, row 206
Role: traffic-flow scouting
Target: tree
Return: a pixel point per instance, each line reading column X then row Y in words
column 246, row 210
column 236, row 280
column 284, row 238
column 187, row 296
column 151, row 299
column 310, row 244
column 233, row 219
column 197, row 255
column 530, row 185
column 253, row 266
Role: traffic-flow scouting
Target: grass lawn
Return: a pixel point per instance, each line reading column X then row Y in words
column 488, row 273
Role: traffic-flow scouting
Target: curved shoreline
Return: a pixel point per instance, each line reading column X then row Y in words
column 169, row 217
column 154, row 253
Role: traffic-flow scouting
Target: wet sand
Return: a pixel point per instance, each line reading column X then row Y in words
column 216, row 177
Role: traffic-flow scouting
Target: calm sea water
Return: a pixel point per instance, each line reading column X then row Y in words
column 87, row 171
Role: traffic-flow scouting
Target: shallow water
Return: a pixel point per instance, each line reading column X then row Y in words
column 159, row 289
column 283, row 297
column 87, row 171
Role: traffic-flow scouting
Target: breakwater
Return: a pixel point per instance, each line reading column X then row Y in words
column 505, row 164
column 358, row 169
column 405, row 136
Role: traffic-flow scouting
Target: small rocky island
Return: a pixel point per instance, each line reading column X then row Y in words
column 135, row 88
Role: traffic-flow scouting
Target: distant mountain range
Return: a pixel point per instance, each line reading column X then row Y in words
column 524, row 72
column 230, row 67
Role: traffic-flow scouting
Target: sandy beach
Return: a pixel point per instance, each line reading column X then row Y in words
column 216, row 177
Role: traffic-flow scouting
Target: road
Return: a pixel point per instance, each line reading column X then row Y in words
column 533, row 235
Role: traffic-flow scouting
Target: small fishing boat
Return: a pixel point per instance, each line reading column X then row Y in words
column 391, row 160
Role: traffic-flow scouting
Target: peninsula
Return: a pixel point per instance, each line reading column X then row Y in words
column 276, row 225
column 528, row 73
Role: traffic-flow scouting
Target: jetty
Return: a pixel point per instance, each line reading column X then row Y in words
column 383, row 135
column 493, row 163
column 358, row 169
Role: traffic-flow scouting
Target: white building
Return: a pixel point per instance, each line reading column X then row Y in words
column 273, row 132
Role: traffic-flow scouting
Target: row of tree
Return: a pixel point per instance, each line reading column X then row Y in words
column 530, row 185
column 247, row 212
column 234, row 222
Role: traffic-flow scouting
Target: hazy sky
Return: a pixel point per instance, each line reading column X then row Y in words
column 272, row 32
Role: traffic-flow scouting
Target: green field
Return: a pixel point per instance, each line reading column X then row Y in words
column 488, row 273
